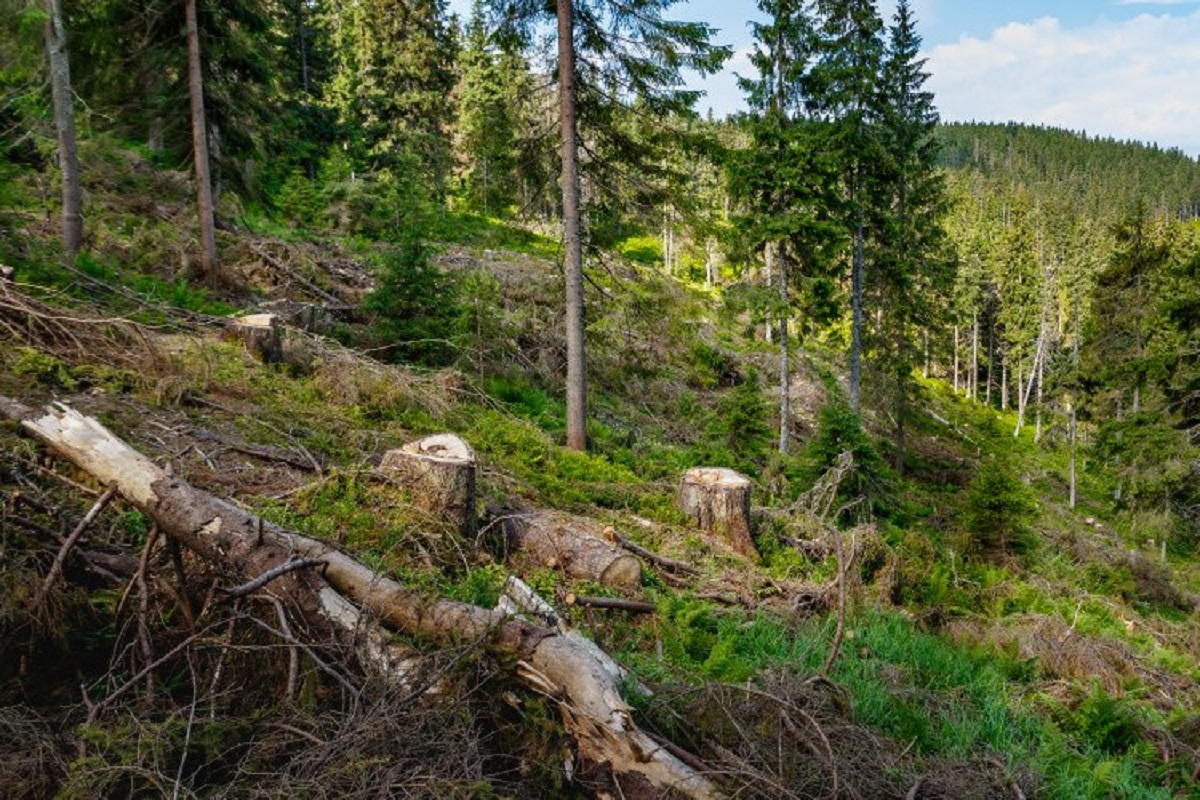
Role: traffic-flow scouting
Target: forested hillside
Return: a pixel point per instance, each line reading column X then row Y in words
column 400, row 405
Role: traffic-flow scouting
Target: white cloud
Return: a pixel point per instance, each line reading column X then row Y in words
column 1135, row 79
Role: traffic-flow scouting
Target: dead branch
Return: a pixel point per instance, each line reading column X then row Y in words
column 655, row 558
column 271, row 574
column 65, row 550
column 636, row 606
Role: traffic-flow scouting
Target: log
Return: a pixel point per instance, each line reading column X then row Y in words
column 439, row 472
column 718, row 500
column 613, row 751
column 262, row 336
column 575, row 545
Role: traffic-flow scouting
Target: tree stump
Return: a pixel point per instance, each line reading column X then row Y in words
column 576, row 545
column 262, row 336
column 718, row 500
column 439, row 472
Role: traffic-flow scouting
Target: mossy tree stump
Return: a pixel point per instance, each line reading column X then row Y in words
column 439, row 472
column 718, row 501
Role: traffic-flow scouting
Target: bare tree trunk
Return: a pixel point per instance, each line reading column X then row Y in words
column 1004, row 384
column 572, row 236
column 1073, row 478
column 925, row 354
column 64, row 126
column 856, row 316
column 624, row 760
column 769, row 265
column 785, row 409
column 204, row 190
column 956, row 359
column 710, row 263
column 1023, row 400
column 974, row 376
column 1037, row 430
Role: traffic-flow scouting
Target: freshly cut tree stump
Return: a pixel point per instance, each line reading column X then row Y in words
column 575, row 545
column 718, row 500
column 262, row 336
column 439, row 472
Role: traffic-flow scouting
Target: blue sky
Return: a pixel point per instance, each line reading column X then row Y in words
column 1123, row 68
column 1110, row 67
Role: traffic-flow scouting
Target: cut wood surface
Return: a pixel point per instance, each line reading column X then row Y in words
column 718, row 500
column 439, row 472
column 262, row 336
column 576, row 545
column 347, row 594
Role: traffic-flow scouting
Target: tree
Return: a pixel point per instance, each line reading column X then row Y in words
column 915, row 272
column 607, row 52
column 844, row 91
column 783, row 178
column 64, row 126
column 206, row 207
column 485, row 130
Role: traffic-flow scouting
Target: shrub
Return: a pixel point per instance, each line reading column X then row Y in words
column 415, row 307
column 999, row 509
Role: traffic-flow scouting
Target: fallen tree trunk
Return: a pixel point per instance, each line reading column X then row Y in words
column 610, row 747
column 575, row 545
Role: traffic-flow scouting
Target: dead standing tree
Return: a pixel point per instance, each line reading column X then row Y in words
column 610, row 747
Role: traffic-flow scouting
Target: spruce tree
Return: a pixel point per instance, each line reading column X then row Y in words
column 607, row 51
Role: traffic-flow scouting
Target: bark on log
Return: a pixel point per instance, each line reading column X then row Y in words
column 718, row 500
column 439, row 472
column 575, row 545
column 262, row 336
column 609, row 744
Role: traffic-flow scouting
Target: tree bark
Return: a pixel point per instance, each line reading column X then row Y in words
column 439, row 472
column 64, row 126
column 785, row 410
column 261, row 335
column 575, row 545
column 610, row 746
column 956, row 359
column 856, row 314
column 205, row 205
column 572, row 235
column 718, row 500
column 973, row 378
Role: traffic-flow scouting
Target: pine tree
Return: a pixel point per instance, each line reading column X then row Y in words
column 606, row 51
column 485, row 130
column 844, row 90
column 915, row 271
column 783, row 178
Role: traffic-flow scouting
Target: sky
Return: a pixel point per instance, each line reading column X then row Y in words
column 1129, row 69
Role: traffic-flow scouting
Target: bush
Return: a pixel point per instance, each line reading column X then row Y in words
column 999, row 509
column 415, row 307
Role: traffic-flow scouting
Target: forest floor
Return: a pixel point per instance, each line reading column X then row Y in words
column 1062, row 663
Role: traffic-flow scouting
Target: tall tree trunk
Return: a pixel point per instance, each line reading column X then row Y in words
column 769, row 267
column 1072, row 499
column 974, row 376
column 785, row 410
column 1037, row 430
column 956, row 359
column 1023, row 399
column 856, row 318
column 204, row 190
column 572, row 238
column 64, row 126
column 1004, row 384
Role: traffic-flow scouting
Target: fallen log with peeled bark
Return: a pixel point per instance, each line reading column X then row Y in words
column 578, row 546
column 610, row 748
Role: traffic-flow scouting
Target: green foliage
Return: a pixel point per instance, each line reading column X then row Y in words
column 999, row 509
column 299, row 201
column 1105, row 722
column 840, row 430
column 415, row 307
column 738, row 434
